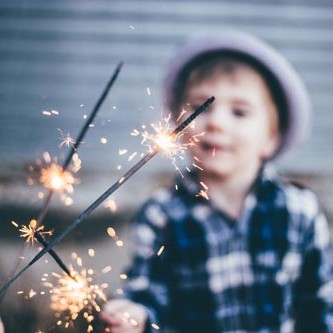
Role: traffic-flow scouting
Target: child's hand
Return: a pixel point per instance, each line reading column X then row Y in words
column 2, row 329
column 124, row 316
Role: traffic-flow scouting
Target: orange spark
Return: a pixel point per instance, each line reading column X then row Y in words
column 72, row 297
column 29, row 231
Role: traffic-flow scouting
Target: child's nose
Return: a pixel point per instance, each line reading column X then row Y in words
column 218, row 119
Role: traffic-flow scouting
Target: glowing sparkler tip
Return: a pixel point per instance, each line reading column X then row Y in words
column 72, row 296
column 56, row 182
column 165, row 142
column 29, row 232
column 53, row 177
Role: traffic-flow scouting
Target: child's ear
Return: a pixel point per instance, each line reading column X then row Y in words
column 271, row 145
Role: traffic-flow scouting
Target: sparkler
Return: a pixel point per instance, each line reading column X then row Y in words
column 54, row 255
column 54, row 178
column 32, row 232
column 57, row 177
column 70, row 155
column 73, row 295
column 108, row 192
column 28, row 232
column 70, row 296
column 161, row 137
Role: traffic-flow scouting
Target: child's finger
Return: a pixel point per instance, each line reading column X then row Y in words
column 124, row 326
column 124, row 316
column 116, row 306
column 2, row 329
column 113, row 308
column 127, row 330
column 111, row 318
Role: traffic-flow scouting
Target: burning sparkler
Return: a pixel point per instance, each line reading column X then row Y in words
column 171, row 146
column 71, row 155
column 32, row 232
column 108, row 192
column 29, row 231
column 71, row 297
column 53, row 177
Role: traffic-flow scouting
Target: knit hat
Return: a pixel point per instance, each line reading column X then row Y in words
column 288, row 90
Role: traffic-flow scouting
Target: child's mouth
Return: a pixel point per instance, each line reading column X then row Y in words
column 207, row 146
column 214, row 148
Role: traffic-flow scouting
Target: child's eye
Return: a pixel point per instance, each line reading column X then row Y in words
column 194, row 106
column 239, row 113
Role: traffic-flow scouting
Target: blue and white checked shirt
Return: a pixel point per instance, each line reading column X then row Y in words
column 270, row 271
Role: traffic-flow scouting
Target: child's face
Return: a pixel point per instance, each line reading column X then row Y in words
column 239, row 124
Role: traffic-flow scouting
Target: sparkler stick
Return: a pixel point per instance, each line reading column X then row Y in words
column 108, row 192
column 54, row 255
column 92, row 116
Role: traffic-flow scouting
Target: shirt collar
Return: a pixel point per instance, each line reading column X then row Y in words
column 191, row 184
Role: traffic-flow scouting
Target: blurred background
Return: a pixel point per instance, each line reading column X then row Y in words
column 55, row 59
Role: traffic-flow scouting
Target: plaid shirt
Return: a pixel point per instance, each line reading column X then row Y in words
column 269, row 271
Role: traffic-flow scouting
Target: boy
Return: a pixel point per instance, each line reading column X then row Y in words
column 256, row 256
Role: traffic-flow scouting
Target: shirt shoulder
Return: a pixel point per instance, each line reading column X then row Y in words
column 299, row 200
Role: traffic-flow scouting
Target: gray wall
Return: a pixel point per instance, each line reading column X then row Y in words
column 58, row 55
